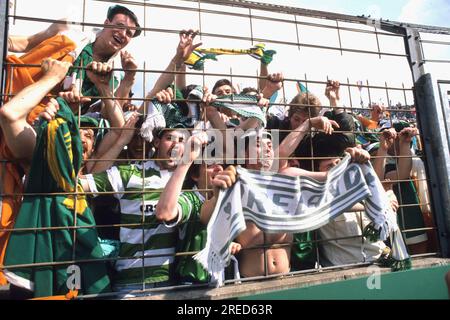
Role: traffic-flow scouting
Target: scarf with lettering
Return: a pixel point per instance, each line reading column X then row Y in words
column 281, row 204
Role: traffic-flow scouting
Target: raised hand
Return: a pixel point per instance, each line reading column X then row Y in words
column 165, row 96
column 387, row 138
column 332, row 92
column 235, row 248
column 194, row 144
column 74, row 97
column 224, row 179
column 128, row 130
column 186, row 45
column 262, row 102
column 129, row 64
column 99, row 73
column 273, row 84
column 358, row 155
column 407, row 134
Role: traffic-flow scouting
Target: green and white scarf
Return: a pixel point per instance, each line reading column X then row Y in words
column 242, row 104
column 88, row 89
column 197, row 58
column 281, row 204
column 160, row 115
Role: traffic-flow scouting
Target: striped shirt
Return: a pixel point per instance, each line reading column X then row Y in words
column 148, row 245
column 192, row 237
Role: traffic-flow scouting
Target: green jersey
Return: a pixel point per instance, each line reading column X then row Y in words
column 192, row 238
column 147, row 246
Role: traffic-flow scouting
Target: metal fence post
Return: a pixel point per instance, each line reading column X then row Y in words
column 436, row 158
column 431, row 129
column 434, row 136
column 4, row 5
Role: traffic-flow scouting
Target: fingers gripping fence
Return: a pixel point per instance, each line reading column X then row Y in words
column 90, row 218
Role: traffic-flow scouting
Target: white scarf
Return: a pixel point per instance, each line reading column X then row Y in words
column 277, row 203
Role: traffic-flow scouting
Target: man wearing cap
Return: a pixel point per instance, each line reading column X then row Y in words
column 138, row 187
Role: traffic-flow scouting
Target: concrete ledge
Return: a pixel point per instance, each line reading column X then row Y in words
column 231, row 291
column 287, row 282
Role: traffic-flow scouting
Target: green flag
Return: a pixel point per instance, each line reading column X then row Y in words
column 56, row 162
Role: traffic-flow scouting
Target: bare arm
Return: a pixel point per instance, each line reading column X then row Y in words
column 184, row 49
column 291, row 142
column 130, row 66
column 263, row 73
column 273, row 83
column 358, row 155
column 250, row 123
column 167, row 208
column 112, row 145
column 100, row 74
column 332, row 93
column 180, row 79
column 20, row 136
column 405, row 162
column 387, row 139
column 26, row 43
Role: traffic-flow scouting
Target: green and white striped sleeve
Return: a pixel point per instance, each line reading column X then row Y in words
column 188, row 206
column 108, row 181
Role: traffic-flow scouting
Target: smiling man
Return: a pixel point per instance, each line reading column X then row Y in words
column 104, row 48
column 120, row 28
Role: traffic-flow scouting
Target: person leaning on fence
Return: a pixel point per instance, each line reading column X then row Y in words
column 18, row 141
column 54, row 156
column 121, row 25
column 60, row 43
column 341, row 239
column 136, row 198
column 303, row 106
column 396, row 142
column 336, row 122
column 251, row 259
column 183, row 209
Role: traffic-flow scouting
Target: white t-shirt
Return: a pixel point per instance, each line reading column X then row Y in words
column 351, row 250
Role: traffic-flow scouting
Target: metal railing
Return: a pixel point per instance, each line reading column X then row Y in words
column 354, row 103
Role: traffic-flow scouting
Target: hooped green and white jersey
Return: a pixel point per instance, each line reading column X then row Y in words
column 192, row 237
column 139, row 188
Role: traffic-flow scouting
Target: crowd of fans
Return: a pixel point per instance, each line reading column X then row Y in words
column 124, row 190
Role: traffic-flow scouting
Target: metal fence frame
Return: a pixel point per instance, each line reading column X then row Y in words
column 434, row 134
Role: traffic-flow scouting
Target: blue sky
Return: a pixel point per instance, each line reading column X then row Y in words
column 431, row 12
